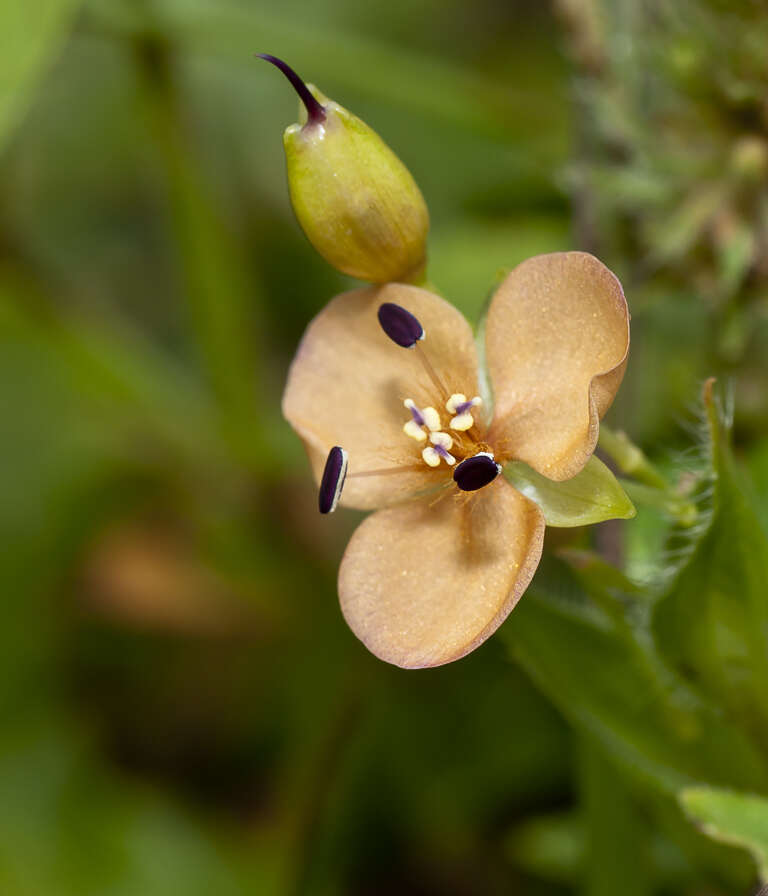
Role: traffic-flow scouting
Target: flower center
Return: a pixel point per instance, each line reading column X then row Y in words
column 476, row 466
column 457, row 443
column 426, row 424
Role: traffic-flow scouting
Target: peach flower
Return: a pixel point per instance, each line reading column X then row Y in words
column 426, row 419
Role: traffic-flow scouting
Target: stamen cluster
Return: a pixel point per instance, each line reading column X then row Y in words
column 425, row 424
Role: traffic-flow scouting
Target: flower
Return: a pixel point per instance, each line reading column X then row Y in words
column 452, row 545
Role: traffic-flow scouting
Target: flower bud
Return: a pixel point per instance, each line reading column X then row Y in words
column 355, row 200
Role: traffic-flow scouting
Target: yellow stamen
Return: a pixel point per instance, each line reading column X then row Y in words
column 462, row 422
column 414, row 431
column 454, row 401
column 431, row 418
column 442, row 439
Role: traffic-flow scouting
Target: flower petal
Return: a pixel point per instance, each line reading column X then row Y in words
column 423, row 584
column 557, row 336
column 348, row 381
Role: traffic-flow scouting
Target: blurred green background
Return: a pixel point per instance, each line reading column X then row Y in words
column 183, row 708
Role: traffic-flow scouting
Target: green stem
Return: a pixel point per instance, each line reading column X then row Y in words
column 647, row 487
column 683, row 510
column 629, row 458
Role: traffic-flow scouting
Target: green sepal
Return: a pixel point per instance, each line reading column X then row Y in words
column 591, row 496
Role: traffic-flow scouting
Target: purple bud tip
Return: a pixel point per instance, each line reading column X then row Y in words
column 332, row 483
column 476, row 472
column 400, row 325
column 315, row 112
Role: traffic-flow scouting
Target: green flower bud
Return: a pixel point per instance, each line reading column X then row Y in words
column 355, row 200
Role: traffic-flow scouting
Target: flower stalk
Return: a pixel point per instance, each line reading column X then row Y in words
column 629, row 458
column 648, row 486
column 681, row 509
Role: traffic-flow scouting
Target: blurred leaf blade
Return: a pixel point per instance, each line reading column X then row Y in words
column 738, row 819
column 32, row 34
column 437, row 87
column 104, row 372
column 55, row 797
column 616, row 831
column 221, row 310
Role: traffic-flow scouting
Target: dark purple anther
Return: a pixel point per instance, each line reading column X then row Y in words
column 476, row 472
column 400, row 325
column 464, row 407
column 315, row 112
column 332, row 483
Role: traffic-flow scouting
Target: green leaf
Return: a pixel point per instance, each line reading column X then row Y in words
column 32, row 33
column 712, row 623
column 212, row 266
column 432, row 86
column 600, row 667
column 56, row 795
column 555, row 847
column 606, row 677
column 618, row 834
column 549, row 846
column 738, row 819
column 593, row 495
